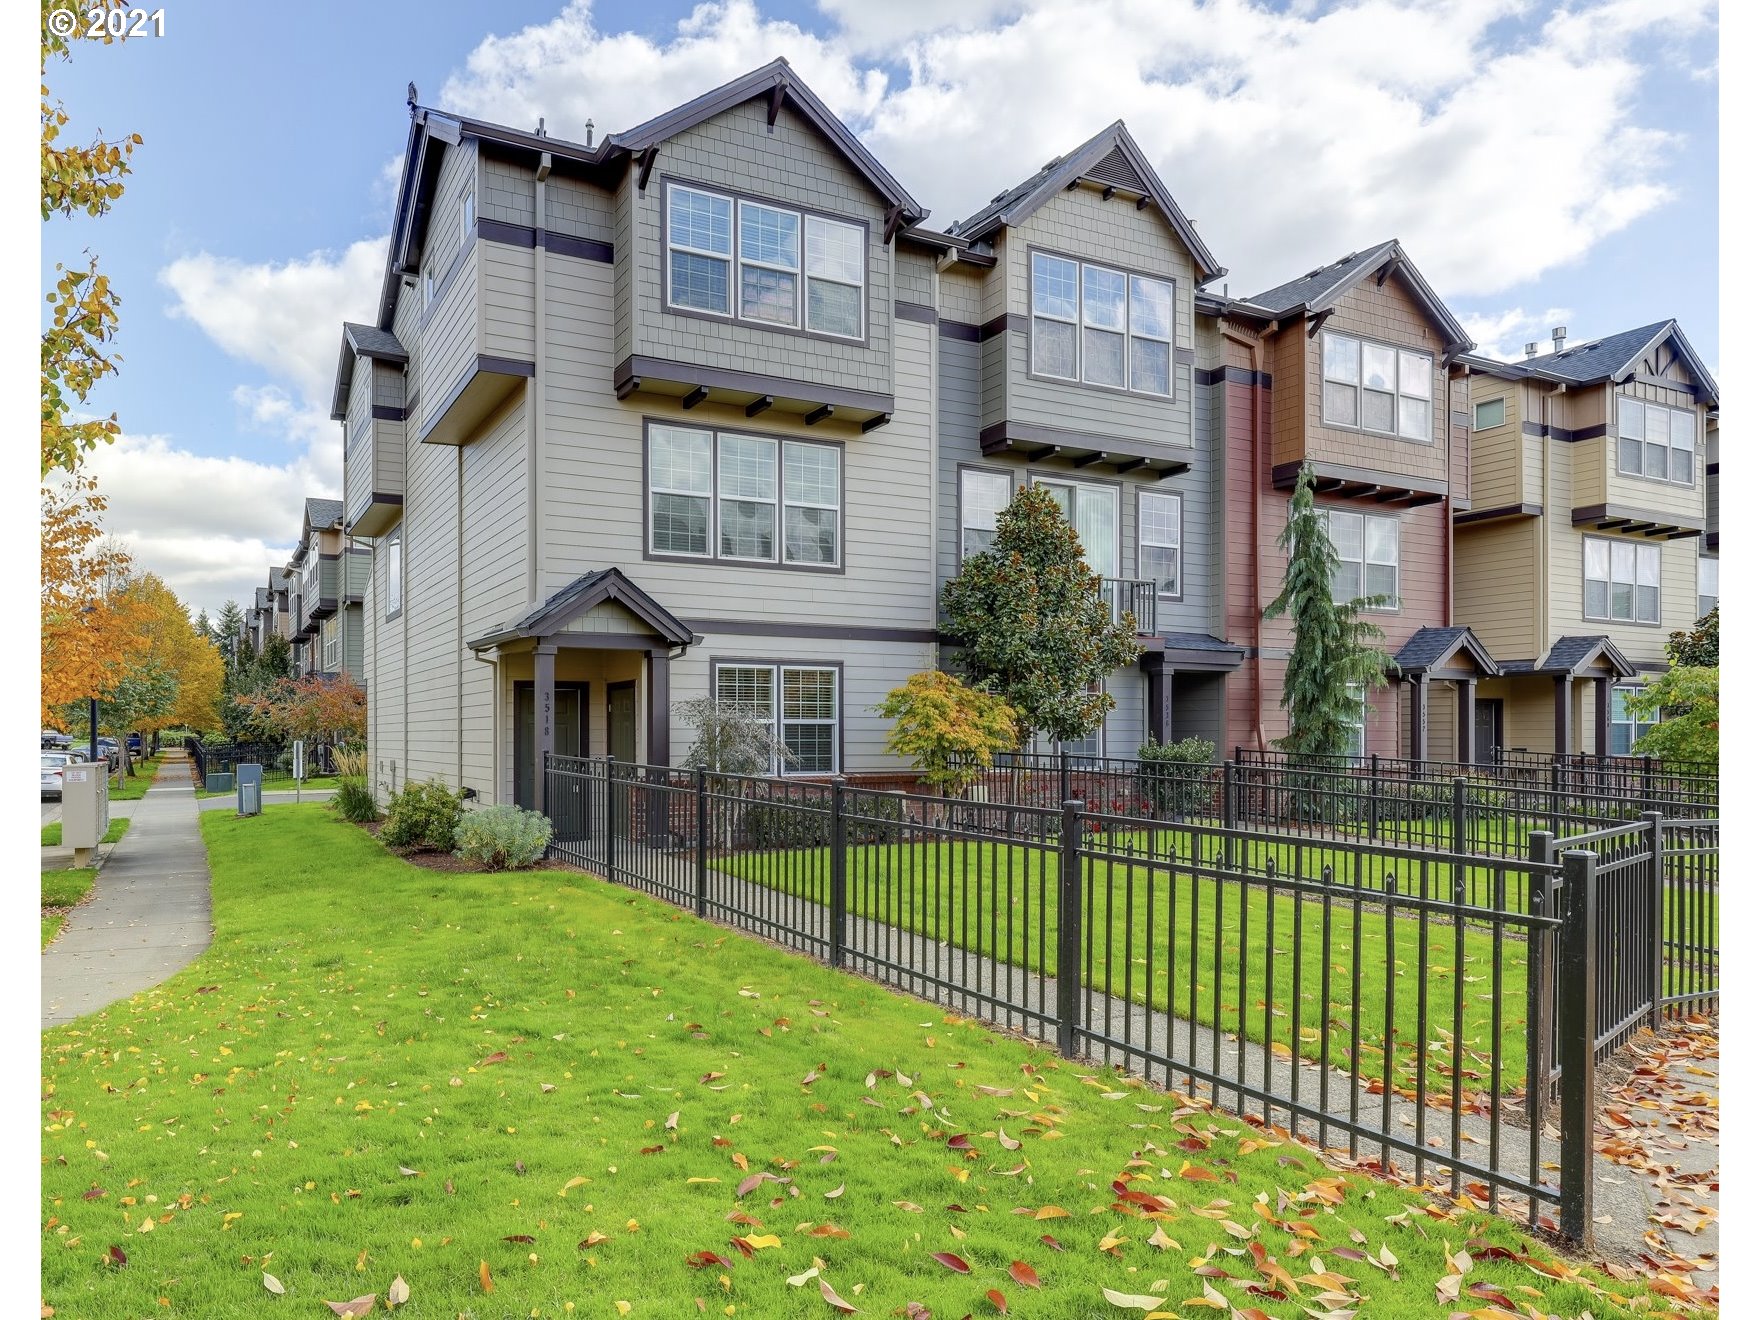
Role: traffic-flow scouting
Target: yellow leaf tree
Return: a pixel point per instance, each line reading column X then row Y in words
column 88, row 624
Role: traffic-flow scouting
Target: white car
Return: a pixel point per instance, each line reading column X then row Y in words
column 53, row 764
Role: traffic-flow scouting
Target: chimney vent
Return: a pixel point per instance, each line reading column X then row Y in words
column 1558, row 339
column 589, row 132
column 540, row 126
column 1532, row 349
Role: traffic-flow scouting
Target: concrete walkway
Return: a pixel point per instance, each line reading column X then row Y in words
column 149, row 914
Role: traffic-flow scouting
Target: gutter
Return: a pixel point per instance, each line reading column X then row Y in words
column 1253, row 347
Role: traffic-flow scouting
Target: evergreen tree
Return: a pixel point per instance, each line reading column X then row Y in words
column 204, row 628
column 1333, row 650
column 229, row 630
column 1032, row 624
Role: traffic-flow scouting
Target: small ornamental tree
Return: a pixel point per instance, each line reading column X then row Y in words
column 949, row 730
column 1333, row 649
column 1685, row 701
column 1695, row 647
column 731, row 739
column 1032, row 625
column 332, row 710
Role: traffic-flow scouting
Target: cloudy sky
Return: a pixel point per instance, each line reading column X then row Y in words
column 1542, row 163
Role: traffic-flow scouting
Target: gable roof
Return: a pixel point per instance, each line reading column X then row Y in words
column 322, row 514
column 1429, row 648
column 361, row 341
column 580, row 596
column 1323, row 286
column 1616, row 357
column 1572, row 655
column 1110, row 158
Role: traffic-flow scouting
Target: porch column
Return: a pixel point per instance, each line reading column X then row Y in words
column 1561, row 715
column 659, row 708
column 1603, row 714
column 1421, row 718
column 543, row 717
column 1466, row 717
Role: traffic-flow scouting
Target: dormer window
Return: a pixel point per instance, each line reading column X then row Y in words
column 1376, row 387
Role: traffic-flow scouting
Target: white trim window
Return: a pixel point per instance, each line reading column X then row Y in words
column 467, row 214
column 982, row 495
column 1092, row 509
column 1158, row 541
column 1488, row 413
column 330, row 632
column 801, row 705
column 1376, row 387
column 1656, row 441
column 1622, row 580
column 1101, row 326
column 1368, row 557
column 1624, row 728
column 836, row 278
column 394, row 574
column 1707, row 585
column 769, row 264
column 699, row 250
column 428, row 282
column 744, row 498
column 1355, row 722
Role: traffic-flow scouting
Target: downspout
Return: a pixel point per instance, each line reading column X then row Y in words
column 1448, row 499
column 1543, row 597
column 494, row 794
column 535, row 422
column 458, row 608
column 1252, row 346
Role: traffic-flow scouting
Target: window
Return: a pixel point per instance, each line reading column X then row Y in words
column 1488, row 414
column 1368, row 556
column 1375, row 387
column 724, row 495
column 1101, row 326
column 428, row 283
column 1707, row 586
column 1354, row 721
column 331, row 633
column 1622, row 580
column 798, row 702
column 394, row 574
column 794, row 270
column 467, row 215
column 1158, row 538
column 982, row 495
column 1624, row 728
column 1656, row 441
column 1093, row 511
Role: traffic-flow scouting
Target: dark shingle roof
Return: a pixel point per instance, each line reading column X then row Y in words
column 321, row 513
column 1428, row 647
column 1607, row 358
column 1568, row 654
column 583, row 594
column 1312, row 288
column 374, row 342
column 1199, row 642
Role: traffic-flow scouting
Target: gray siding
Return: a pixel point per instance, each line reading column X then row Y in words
column 504, row 192
column 505, row 301
column 577, row 209
column 493, row 588
column 916, row 277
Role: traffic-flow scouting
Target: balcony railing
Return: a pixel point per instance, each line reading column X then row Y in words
column 1133, row 594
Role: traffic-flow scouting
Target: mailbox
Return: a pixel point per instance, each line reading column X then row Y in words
column 250, row 788
column 85, row 807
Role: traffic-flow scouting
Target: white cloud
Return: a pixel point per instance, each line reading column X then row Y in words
column 1504, row 335
column 1291, row 136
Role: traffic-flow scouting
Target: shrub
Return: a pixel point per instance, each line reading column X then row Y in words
column 1175, row 777
column 871, row 817
column 423, row 816
column 503, row 838
column 786, row 825
column 354, row 800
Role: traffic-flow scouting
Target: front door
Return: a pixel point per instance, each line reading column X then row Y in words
column 1487, row 729
column 620, row 721
column 570, row 736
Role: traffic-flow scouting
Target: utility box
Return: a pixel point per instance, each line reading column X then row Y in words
column 219, row 782
column 250, row 788
column 85, row 807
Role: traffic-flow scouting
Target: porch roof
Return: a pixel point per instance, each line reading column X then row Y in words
column 1444, row 652
column 1574, row 656
column 580, row 597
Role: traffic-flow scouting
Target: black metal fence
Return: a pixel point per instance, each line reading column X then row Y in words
column 277, row 762
column 1422, row 1009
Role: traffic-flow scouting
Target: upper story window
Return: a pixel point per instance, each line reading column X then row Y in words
column 394, row 574
column 1656, row 441
column 1376, row 387
column 1622, row 580
column 1368, row 557
column 1092, row 509
column 467, row 215
column 330, row 633
column 1158, row 541
column 1488, row 414
column 1707, row 586
column 724, row 495
column 982, row 495
column 1101, row 326
column 795, row 270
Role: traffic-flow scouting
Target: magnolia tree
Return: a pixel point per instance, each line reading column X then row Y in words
column 948, row 730
column 1032, row 625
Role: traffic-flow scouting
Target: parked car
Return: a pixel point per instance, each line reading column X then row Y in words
column 55, row 740
column 134, row 743
column 111, row 751
column 53, row 764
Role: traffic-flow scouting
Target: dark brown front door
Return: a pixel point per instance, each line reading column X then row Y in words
column 620, row 721
column 1487, row 729
column 571, row 732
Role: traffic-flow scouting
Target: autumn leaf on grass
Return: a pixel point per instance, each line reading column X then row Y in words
column 272, row 1284
column 360, row 1306
column 592, row 1239
column 952, row 1262
column 998, row 1301
column 1132, row 1301
column 483, row 1276
column 834, row 1301
column 702, row 1260
column 398, row 1293
column 961, row 1142
column 1024, row 1274
column 500, row 1056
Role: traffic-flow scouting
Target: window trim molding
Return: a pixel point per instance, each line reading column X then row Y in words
column 1359, row 428
column 1117, row 487
column 959, row 509
column 1698, row 433
column 1503, row 413
column 1173, row 395
column 870, row 305
column 393, row 538
column 1398, row 605
column 718, row 662
column 714, row 558
column 1612, row 720
column 1583, row 582
column 1180, row 497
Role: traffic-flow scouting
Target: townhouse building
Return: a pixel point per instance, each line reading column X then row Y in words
column 315, row 602
column 1592, row 534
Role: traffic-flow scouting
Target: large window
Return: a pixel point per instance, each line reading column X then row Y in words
column 772, row 247
column 394, row 574
column 799, row 703
column 1158, row 541
column 1093, row 511
column 982, row 495
column 1707, row 586
column 1368, row 556
column 726, row 495
column 1376, row 387
column 330, row 633
column 1656, row 442
column 1102, row 326
column 1622, row 580
column 1625, row 728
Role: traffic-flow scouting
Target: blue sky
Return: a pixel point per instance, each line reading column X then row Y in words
column 1540, row 162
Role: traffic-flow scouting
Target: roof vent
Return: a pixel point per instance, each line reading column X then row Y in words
column 539, row 131
column 999, row 196
column 1531, row 349
column 1558, row 339
column 589, row 132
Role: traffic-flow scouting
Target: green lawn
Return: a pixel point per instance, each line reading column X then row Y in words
column 62, row 890
column 559, row 1087
column 1259, row 970
column 52, row 832
column 316, row 784
column 52, row 924
column 136, row 785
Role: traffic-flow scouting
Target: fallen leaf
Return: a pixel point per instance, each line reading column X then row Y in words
column 360, row 1306
column 273, row 1284
column 1024, row 1274
column 1131, row 1301
column 800, row 1280
column 837, row 1303
column 398, row 1293
column 952, row 1262
column 998, row 1301
column 500, row 1056
column 483, row 1276
column 835, row 1192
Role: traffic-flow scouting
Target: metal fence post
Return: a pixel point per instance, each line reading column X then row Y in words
column 1655, row 911
column 1542, row 976
column 610, row 819
column 1577, row 1028
column 1374, row 795
column 1063, row 793
column 1557, row 798
column 1459, row 842
column 702, row 876
column 839, row 872
column 1069, row 928
column 1649, row 793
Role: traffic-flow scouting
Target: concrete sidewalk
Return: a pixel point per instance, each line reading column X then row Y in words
column 149, row 915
